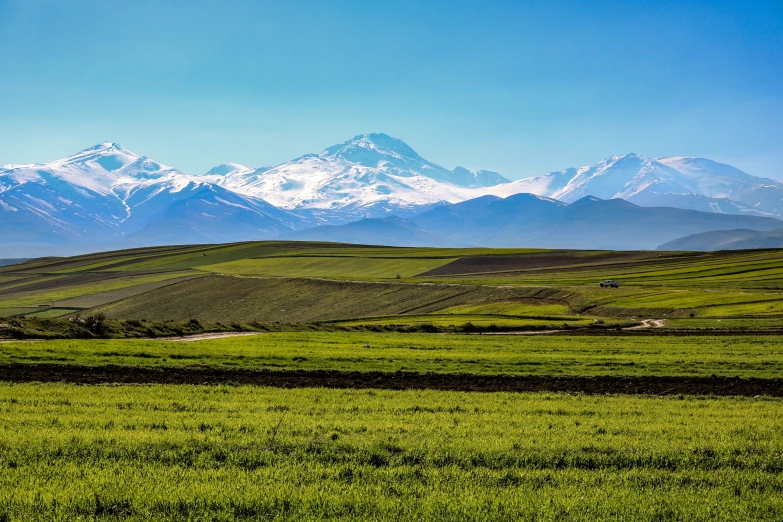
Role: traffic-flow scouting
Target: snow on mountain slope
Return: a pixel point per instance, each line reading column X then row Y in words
column 104, row 193
column 207, row 213
column 682, row 182
column 105, row 169
column 359, row 173
column 224, row 169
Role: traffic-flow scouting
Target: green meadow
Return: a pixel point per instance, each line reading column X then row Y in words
column 248, row 453
column 728, row 356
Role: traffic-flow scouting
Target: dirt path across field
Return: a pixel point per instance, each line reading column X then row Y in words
column 111, row 374
column 647, row 323
column 203, row 336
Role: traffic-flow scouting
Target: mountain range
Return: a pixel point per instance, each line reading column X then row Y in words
column 372, row 189
column 535, row 221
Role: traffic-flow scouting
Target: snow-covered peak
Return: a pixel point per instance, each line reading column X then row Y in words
column 369, row 149
column 366, row 171
column 106, row 145
column 703, row 167
column 107, row 156
column 226, row 169
column 106, row 168
column 643, row 179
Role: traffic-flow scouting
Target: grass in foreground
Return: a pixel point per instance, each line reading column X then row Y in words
column 240, row 453
column 730, row 356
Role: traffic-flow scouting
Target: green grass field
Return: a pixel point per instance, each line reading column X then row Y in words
column 247, row 453
column 339, row 267
column 736, row 356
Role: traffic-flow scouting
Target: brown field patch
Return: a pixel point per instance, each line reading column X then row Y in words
column 650, row 385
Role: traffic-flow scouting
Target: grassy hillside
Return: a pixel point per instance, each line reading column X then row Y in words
column 225, row 298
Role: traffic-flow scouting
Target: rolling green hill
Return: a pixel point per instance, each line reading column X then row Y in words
column 298, row 282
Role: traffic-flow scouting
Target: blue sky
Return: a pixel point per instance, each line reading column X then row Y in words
column 518, row 87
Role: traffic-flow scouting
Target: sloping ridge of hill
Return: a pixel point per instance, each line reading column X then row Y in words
column 739, row 239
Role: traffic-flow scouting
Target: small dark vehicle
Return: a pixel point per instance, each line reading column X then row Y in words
column 610, row 283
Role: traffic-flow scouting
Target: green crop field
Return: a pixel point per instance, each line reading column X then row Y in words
column 736, row 356
column 510, row 308
column 248, row 453
column 341, row 267
column 453, row 321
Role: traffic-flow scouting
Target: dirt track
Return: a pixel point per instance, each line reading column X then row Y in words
column 647, row 323
column 204, row 336
column 112, row 374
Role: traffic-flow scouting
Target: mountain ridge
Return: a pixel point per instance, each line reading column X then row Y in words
column 106, row 194
column 639, row 178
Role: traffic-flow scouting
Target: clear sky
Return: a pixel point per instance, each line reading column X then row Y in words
column 522, row 88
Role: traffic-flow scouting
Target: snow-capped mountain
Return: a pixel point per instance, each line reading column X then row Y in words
column 692, row 183
column 225, row 169
column 107, row 196
column 106, row 193
column 360, row 176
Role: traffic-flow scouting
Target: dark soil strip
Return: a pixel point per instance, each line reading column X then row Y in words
column 111, row 374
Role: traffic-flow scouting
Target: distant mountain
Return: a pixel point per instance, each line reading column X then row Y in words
column 359, row 177
column 107, row 195
column 727, row 240
column 390, row 231
column 224, row 169
column 526, row 220
column 206, row 213
column 7, row 262
column 691, row 183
